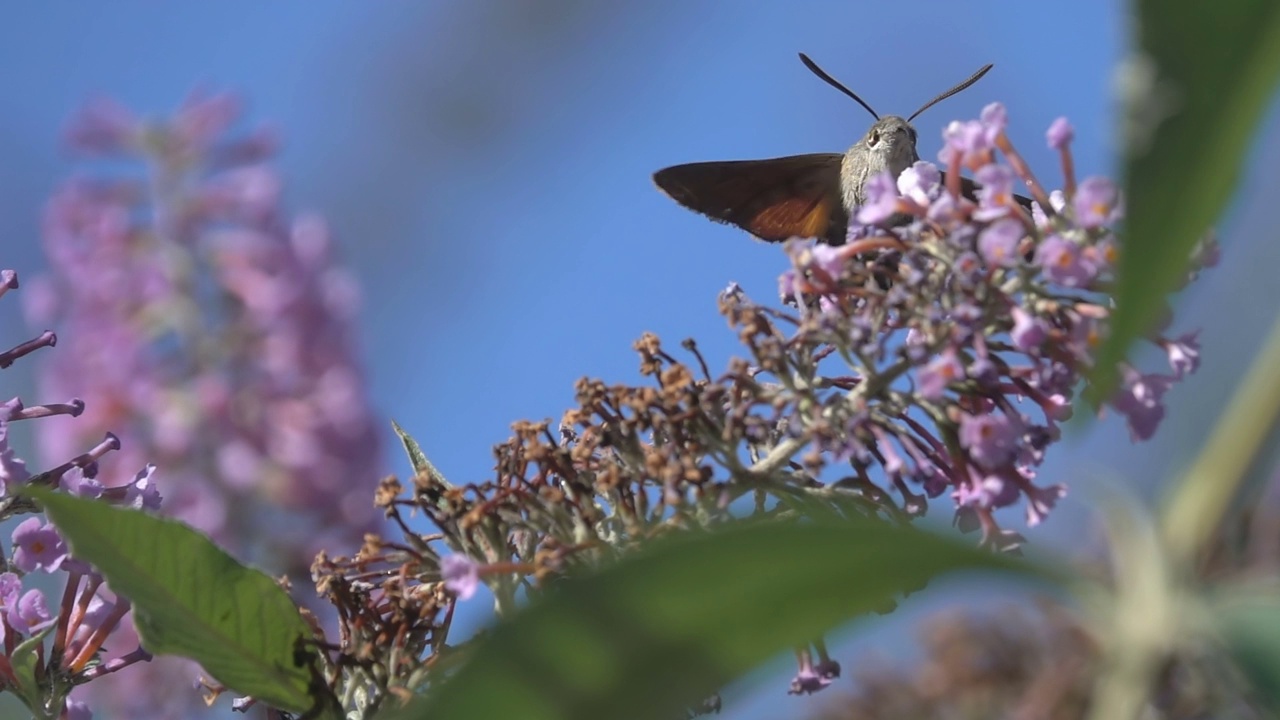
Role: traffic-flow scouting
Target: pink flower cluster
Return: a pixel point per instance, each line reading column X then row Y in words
column 214, row 334
column 980, row 340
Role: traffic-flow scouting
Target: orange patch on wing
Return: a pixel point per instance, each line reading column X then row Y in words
column 792, row 217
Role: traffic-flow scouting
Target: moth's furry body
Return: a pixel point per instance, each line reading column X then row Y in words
column 890, row 145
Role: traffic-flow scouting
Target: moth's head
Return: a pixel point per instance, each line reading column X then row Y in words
column 891, row 141
column 890, row 135
column 890, row 145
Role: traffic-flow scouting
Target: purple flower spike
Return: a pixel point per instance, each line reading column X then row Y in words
column 39, row 547
column 278, row 421
column 461, row 575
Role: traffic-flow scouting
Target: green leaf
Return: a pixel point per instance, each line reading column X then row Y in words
column 192, row 599
column 417, row 458
column 1250, row 627
column 664, row 628
column 24, row 661
column 1206, row 74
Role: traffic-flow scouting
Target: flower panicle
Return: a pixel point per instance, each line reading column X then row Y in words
column 212, row 331
column 986, row 329
column 930, row 359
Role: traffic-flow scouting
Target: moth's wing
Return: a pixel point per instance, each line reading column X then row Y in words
column 773, row 199
column 969, row 189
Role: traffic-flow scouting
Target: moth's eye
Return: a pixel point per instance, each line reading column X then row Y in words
column 875, row 137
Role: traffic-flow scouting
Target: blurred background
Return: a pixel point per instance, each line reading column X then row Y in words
column 486, row 166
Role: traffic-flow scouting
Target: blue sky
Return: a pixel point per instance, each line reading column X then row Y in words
column 486, row 166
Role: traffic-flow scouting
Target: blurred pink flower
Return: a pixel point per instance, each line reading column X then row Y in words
column 216, row 337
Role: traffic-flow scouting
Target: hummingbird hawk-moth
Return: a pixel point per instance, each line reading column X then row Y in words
column 803, row 195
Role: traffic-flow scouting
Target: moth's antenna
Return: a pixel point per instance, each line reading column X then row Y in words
column 813, row 67
column 972, row 79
